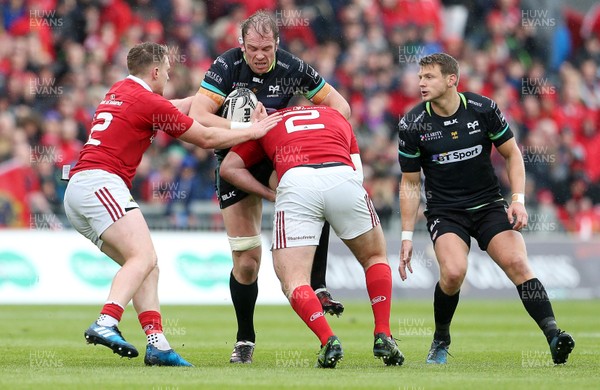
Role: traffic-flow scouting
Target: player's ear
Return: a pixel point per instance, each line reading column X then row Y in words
column 452, row 81
column 277, row 44
column 241, row 42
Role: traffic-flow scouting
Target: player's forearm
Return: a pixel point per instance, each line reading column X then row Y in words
column 410, row 198
column 243, row 179
column 516, row 173
column 203, row 110
column 219, row 138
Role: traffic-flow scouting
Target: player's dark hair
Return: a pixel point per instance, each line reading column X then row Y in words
column 144, row 54
column 448, row 65
column 263, row 23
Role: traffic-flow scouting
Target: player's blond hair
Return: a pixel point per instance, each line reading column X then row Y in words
column 144, row 54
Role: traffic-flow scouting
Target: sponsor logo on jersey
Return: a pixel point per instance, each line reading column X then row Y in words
column 457, row 155
column 473, row 125
column 474, row 103
column 257, row 80
column 432, row 136
column 435, row 222
column 239, row 84
column 451, row 122
column 112, row 102
column 402, row 124
column 311, row 72
column 221, row 61
column 283, row 64
column 213, row 76
column 454, row 134
column 273, row 89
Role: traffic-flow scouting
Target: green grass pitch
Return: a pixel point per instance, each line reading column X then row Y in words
column 495, row 345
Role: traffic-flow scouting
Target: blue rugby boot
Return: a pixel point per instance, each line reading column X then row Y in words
column 111, row 337
column 156, row 357
column 438, row 354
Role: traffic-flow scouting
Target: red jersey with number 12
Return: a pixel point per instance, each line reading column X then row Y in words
column 125, row 125
column 305, row 135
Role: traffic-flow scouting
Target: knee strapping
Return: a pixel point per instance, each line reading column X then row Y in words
column 241, row 244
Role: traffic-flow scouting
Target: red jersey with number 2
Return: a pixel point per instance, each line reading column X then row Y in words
column 125, row 125
column 305, row 135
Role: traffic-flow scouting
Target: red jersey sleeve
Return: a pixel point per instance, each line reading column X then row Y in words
column 166, row 117
column 251, row 152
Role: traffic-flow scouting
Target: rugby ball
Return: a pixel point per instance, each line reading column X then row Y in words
column 239, row 105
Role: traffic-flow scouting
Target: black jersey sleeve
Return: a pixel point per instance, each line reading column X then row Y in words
column 497, row 128
column 409, row 155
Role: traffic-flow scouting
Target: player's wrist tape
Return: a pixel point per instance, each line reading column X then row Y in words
column 518, row 197
column 406, row 235
column 240, row 125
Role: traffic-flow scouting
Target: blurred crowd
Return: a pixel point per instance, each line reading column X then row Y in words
column 539, row 60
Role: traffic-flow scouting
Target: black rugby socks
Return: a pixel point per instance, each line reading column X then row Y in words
column 244, row 299
column 536, row 302
column 444, row 307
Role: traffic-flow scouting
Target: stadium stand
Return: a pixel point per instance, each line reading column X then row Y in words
column 538, row 59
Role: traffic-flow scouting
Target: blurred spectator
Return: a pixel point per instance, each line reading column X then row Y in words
column 539, row 60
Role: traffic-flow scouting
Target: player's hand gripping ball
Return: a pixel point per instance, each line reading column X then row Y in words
column 239, row 105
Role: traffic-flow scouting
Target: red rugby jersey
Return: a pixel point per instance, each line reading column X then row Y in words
column 305, row 135
column 125, row 125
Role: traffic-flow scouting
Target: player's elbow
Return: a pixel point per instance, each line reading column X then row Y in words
column 345, row 109
column 226, row 172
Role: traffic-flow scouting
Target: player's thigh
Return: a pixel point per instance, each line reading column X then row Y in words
column 293, row 265
column 243, row 218
column 369, row 248
column 94, row 200
column 130, row 238
column 508, row 250
column 451, row 252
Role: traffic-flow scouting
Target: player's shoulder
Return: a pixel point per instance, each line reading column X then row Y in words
column 415, row 114
column 478, row 103
column 128, row 92
column 287, row 60
column 230, row 59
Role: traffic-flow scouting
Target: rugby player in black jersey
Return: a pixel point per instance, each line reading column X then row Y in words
column 449, row 135
column 275, row 76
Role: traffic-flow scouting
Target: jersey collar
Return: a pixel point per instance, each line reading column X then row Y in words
column 140, row 82
column 462, row 98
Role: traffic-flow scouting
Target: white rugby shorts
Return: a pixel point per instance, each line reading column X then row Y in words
column 94, row 200
column 306, row 197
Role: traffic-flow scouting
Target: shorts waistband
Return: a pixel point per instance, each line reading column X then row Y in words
column 322, row 165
